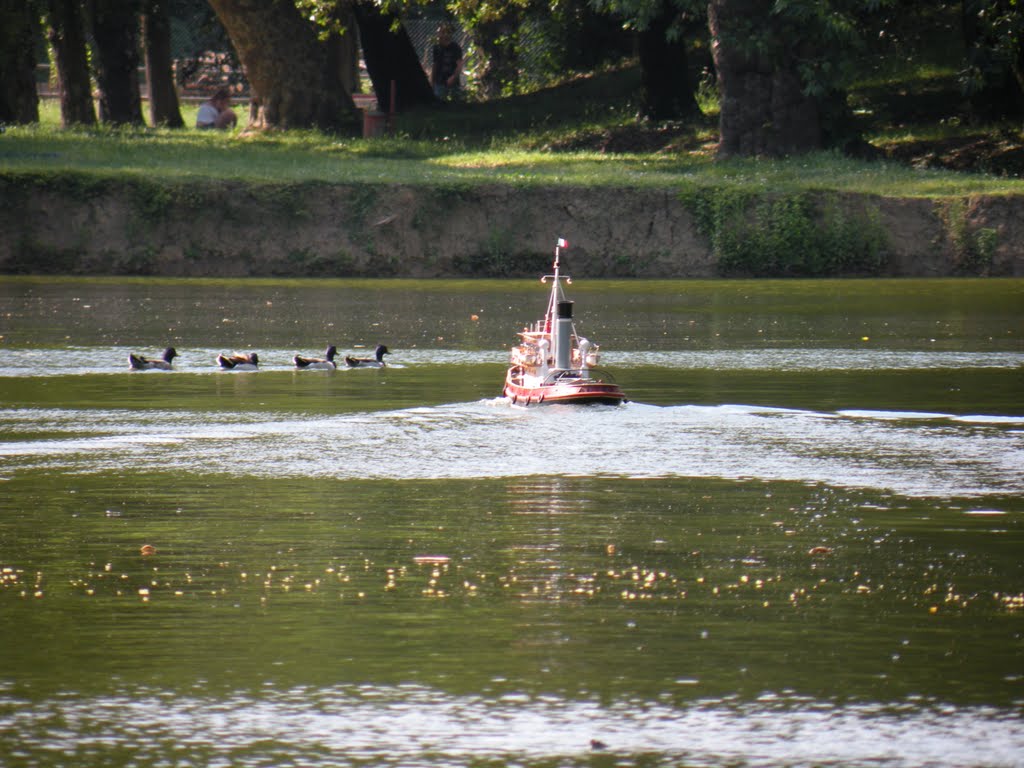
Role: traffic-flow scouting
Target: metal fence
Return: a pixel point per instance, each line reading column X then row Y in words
column 204, row 59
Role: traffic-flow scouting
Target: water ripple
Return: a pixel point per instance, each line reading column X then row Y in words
column 113, row 360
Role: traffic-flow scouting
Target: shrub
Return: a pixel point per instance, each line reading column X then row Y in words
column 791, row 235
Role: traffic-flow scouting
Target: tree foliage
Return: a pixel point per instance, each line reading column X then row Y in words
column 782, row 66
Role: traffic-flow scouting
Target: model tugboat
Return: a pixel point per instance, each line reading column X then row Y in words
column 552, row 364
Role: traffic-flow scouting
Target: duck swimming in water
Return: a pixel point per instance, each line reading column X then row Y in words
column 377, row 361
column 140, row 363
column 239, row 362
column 325, row 363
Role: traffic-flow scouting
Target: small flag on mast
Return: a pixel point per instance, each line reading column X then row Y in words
column 562, row 243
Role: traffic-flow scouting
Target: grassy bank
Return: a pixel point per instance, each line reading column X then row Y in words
column 312, row 157
column 580, row 133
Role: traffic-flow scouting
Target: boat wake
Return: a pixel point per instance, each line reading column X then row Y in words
column 419, row 726
column 912, row 454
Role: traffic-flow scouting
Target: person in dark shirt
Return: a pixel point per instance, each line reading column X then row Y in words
column 447, row 67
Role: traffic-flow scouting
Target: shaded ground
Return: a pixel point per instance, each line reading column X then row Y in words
column 1002, row 155
column 639, row 138
column 928, row 108
column 999, row 154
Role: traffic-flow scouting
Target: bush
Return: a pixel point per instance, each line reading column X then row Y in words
column 793, row 235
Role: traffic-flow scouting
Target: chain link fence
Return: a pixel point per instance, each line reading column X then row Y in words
column 204, row 59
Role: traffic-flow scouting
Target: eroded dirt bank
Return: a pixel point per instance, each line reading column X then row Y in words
column 75, row 225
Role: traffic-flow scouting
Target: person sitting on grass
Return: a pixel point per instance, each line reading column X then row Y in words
column 217, row 112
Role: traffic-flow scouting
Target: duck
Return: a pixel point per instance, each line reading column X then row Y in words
column 377, row 361
column 239, row 362
column 325, row 363
column 140, row 363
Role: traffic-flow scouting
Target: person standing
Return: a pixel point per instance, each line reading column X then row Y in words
column 448, row 61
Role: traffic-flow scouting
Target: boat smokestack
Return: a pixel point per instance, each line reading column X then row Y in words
column 584, row 358
column 563, row 336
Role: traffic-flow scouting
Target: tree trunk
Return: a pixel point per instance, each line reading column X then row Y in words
column 115, row 26
column 163, row 96
column 391, row 57
column 342, row 49
column 292, row 87
column 19, row 31
column 998, row 88
column 496, row 42
column 66, row 34
column 764, row 110
column 666, row 90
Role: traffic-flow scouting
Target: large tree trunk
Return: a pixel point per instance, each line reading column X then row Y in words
column 342, row 49
column 163, row 96
column 998, row 86
column 666, row 90
column 115, row 26
column 19, row 31
column 391, row 57
column 292, row 87
column 66, row 34
column 764, row 110
column 496, row 41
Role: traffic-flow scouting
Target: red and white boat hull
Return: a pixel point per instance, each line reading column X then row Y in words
column 574, row 391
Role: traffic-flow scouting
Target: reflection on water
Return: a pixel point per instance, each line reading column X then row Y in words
column 799, row 545
column 449, row 622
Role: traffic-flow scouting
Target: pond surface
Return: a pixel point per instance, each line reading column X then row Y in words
column 799, row 543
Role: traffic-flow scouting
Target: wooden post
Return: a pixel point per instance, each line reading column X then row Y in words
column 391, row 107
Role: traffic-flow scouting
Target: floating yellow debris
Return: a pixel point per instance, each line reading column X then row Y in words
column 147, row 549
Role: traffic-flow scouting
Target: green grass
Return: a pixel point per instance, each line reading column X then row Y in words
column 508, row 141
column 299, row 157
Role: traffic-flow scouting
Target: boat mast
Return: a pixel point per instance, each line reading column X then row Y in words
column 558, row 323
column 556, row 288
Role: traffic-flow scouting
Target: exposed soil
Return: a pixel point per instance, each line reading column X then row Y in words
column 220, row 229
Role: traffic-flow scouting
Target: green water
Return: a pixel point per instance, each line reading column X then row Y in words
column 798, row 544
